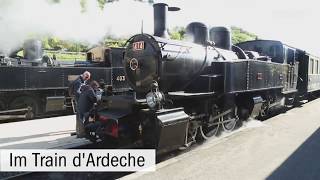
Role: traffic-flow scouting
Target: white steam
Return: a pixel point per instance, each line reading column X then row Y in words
column 22, row 19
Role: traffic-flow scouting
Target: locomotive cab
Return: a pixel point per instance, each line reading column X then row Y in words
column 283, row 54
column 273, row 49
column 101, row 56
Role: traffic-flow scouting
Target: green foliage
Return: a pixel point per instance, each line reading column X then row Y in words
column 177, row 33
column 58, row 44
column 240, row 35
column 114, row 42
column 62, row 55
column 66, row 56
column 102, row 3
column 83, row 4
column 54, row 1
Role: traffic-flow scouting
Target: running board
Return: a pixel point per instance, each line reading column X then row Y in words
column 16, row 110
column 185, row 94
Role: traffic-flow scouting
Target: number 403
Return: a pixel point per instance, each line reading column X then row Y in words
column 121, row 78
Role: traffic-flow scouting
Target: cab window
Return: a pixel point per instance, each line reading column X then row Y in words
column 290, row 56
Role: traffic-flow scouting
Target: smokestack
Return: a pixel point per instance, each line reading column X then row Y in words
column 32, row 50
column 160, row 19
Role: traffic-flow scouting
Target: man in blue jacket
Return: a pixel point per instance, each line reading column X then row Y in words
column 77, row 84
column 80, row 81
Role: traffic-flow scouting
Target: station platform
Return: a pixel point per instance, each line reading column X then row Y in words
column 47, row 133
column 286, row 146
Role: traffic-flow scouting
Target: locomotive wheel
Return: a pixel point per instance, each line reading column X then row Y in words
column 208, row 131
column 25, row 102
column 29, row 115
column 264, row 113
column 229, row 121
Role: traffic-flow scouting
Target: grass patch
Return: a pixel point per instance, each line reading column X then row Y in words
column 63, row 56
column 67, row 56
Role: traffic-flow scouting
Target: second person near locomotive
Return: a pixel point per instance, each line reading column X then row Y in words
column 87, row 101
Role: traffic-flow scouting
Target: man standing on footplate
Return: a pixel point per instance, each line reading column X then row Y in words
column 76, row 90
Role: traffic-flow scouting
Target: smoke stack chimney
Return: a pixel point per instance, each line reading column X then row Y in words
column 32, row 50
column 160, row 19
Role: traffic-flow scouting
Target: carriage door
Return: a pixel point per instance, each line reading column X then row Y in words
column 292, row 68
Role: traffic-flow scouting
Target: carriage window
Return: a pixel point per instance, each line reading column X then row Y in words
column 311, row 66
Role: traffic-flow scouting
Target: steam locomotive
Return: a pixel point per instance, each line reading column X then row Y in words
column 190, row 91
column 35, row 84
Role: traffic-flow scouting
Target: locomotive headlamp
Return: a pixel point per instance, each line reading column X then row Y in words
column 155, row 97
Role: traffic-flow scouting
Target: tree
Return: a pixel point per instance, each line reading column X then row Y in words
column 54, row 1
column 240, row 35
column 102, row 3
column 177, row 33
column 110, row 41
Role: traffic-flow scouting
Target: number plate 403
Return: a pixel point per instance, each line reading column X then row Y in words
column 121, row 78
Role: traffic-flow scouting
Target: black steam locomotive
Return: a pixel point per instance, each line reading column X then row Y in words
column 189, row 91
column 35, row 85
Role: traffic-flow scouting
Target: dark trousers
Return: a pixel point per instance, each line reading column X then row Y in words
column 79, row 123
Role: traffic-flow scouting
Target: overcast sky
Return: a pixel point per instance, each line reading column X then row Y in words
column 295, row 22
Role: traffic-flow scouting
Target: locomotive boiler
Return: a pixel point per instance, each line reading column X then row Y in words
column 186, row 91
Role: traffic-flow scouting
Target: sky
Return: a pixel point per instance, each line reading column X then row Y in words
column 294, row 22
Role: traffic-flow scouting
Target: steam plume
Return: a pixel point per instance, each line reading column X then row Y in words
column 22, row 19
